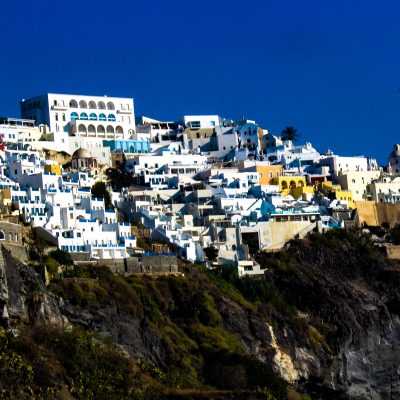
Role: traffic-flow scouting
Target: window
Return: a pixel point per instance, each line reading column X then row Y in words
column 195, row 124
column 111, row 117
column 212, row 123
column 84, row 116
column 56, row 116
column 93, row 117
column 63, row 117
column 102, row 117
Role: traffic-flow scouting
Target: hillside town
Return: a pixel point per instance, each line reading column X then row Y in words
column 102, row 184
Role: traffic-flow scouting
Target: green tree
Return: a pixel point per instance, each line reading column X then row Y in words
column 290, row 133
column 99, row 189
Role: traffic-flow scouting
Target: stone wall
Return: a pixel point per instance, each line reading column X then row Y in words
column 375, row 214
column 160, row 263
column 10, row 233
column 17, row 250
column 131, row 265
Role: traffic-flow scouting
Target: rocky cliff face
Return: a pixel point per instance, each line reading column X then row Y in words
column 326, row 316
column 24, row 298
column 351, row 294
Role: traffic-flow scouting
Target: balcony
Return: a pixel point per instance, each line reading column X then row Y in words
column 59, row 107
column 124, row 111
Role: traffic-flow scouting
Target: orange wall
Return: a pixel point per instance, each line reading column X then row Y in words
column 264, row 173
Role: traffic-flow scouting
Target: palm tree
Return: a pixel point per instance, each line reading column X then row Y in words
column 290, row 133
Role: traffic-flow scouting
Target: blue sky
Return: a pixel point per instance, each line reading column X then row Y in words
column 330, row 68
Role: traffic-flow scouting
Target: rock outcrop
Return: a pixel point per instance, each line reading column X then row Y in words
column 351, row 294
column 24, row 299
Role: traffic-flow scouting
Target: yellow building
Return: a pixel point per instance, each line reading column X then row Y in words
column 306, row 192
column 289, row 182
column 340, row 194
column 328, row 186
column 296, row 186
column 52, row 169
column 357, row 182
column 267, row 173
column 345, row 195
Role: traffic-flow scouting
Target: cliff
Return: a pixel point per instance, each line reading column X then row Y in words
column 324, row 321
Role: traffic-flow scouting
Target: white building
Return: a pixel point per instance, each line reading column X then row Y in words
column 14, row 130
column 168, row 163
column 156, row 131
column 88, row 116
column 340, row 165
column 200, row 121
column 293, row 157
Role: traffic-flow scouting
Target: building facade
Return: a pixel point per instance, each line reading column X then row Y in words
column 89, row 116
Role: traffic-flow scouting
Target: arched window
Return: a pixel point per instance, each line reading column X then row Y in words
column 93, row 117
column 102, row 117
column 301, row 184
column 292, row 185
column 119, row 129
column 91, row 129
column 284, row 185
column 73, row 104
column 111, row 117
column 110, row 106
column 82, row 128
column 74, row 116
column 82, row 104
column 100, row 129
column 84, row 116
column 101, row 105
column 131, row 149
column 92, row 105
column 110, row 129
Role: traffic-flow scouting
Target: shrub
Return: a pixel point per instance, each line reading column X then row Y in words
column 52, row 265
column 63, row 257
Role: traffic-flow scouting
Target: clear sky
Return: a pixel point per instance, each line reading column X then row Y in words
column 329, row 67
